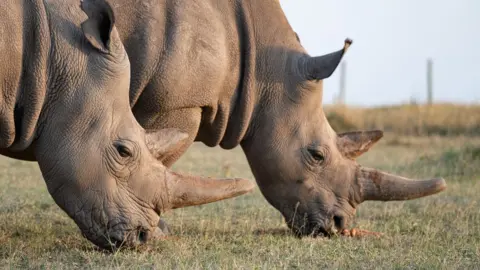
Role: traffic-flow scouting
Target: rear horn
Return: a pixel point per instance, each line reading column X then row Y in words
column 322, row 67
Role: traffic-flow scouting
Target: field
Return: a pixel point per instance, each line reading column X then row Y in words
column 439, row 232
column 410, row 119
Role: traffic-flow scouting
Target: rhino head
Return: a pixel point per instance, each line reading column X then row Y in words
column 99, row 164
column 302, row 166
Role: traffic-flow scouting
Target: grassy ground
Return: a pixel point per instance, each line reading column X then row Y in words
column 440, row 232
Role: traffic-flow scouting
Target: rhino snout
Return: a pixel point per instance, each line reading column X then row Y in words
column 114, row 240
column 319, row 225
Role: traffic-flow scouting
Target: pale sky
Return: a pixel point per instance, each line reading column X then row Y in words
column 391, row 41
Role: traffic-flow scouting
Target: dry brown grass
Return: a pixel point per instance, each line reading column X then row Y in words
column 438, row 119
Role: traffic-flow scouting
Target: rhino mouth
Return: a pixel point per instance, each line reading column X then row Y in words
column 116, row 240
column 119, row 236
column 314, row 226
column 316, row 230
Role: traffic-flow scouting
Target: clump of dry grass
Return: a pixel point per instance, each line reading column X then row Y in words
column 411, row 119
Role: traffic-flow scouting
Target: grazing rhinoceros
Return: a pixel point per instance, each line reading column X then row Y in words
column 64, row 103
column 234, row 73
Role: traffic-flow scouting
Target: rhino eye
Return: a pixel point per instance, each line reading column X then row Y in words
column 123, row 151
column 316, row 155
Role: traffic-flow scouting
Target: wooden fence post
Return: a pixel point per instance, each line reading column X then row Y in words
column 430, row 81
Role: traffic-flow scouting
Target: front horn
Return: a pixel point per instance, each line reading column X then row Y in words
column 186, row 191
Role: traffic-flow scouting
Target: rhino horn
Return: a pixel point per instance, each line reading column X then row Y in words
column 322, row 67
column 186, row 191
column 380, row 186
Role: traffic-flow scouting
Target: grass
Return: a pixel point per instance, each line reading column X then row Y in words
column 439, row 232
column 410, row 119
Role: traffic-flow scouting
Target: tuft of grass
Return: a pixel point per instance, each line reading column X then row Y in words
column 439, row 232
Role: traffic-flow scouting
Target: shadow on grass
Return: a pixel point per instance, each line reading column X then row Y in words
column 273, row 232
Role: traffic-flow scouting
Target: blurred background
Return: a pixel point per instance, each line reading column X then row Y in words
column 387, row 63
column 414, row 67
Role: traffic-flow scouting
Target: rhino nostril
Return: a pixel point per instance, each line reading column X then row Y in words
column 142, row 236
column 339, row 222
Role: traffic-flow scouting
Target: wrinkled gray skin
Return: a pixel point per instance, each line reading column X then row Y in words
column 64, row 103
column 234, row 73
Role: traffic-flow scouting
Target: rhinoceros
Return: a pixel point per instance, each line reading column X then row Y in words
column 233, row 73
column 65, row 103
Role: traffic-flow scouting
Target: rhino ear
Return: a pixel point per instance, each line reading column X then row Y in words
column 165, row 141
column 322, row 67
column 99, row 25
column 353, row 144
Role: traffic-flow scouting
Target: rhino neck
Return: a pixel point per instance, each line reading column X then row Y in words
column 269, row 47
column 263, row 57
column 25, row 44
column 245, row 96
column 277, row 50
